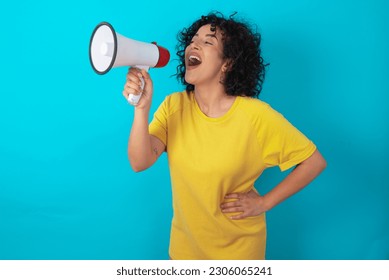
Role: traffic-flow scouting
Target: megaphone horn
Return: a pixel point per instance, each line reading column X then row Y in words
column 109, row 49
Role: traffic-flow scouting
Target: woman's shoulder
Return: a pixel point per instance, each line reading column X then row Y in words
column 263, row 114
column 178, row 97
column 254, row 106
column 259, row 111
column 176, row 101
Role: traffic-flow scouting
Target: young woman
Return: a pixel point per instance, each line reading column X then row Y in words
column 219, row 138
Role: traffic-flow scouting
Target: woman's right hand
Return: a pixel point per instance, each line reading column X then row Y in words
column 133, row 85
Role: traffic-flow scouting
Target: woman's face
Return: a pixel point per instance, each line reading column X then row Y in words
column 204, row 57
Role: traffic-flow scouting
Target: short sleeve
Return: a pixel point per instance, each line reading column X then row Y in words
column 158, row 126
column 282, row 144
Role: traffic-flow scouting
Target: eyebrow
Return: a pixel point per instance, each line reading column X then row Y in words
column 207, row 35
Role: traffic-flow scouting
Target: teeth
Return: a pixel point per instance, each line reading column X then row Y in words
column 193, row 57
column 194, row 60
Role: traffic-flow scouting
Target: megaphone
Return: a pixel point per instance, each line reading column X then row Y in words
column 109, row 49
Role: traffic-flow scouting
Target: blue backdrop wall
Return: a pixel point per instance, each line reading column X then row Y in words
column 66, row 187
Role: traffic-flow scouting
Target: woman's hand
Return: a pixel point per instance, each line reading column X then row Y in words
column 133, row 85
column 252, row 204
column 249, row 204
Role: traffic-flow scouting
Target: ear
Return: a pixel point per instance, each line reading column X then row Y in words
column 227, row 65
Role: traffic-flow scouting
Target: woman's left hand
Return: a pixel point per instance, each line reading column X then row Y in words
column 249, row 204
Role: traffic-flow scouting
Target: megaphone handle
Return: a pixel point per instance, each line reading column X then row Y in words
column 132, row 98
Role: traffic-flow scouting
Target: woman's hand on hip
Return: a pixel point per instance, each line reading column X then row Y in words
column 248, row 204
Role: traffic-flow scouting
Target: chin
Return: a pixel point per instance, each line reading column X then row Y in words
column 189, row 79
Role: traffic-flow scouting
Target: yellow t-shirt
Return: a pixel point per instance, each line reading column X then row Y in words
column 210, row 157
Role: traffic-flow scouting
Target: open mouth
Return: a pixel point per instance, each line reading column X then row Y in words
column 194, row 60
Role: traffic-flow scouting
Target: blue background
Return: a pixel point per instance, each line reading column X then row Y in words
column 66, row 187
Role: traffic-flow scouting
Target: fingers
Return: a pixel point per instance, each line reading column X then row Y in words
column 239, row 217
column 228, row 205
column 135, row 74
column 233, row 207
column 134, row 79
column 138, row 88
column 233, row 195
column 233, row 210
column 133, row 83
column 144, row 74
column 132, row 88
column 243, row 205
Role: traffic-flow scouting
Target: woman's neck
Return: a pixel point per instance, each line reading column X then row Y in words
column 213, row 102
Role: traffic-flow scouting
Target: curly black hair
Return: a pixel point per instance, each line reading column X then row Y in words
column 241, row 45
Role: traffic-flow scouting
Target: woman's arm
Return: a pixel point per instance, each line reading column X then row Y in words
column 252, row 204
column 301, row 176
column 143, row 148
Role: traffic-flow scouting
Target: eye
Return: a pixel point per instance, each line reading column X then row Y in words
column 208, row 43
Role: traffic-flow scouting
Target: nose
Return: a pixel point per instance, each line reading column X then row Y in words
column 195, row 46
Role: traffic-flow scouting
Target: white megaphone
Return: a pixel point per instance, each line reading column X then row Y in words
column 109, row 49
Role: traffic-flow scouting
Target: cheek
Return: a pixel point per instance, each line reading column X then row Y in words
column 186, row 50
column 214, row 58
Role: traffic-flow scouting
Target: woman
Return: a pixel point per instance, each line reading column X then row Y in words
column 219, row 139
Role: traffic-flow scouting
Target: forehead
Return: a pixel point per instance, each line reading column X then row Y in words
column 206, row 30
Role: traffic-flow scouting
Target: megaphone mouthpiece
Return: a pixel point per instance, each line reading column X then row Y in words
column 164, row 56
